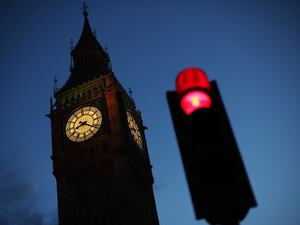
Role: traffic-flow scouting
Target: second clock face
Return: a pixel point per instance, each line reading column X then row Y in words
column 83, row 124
column 134, row 130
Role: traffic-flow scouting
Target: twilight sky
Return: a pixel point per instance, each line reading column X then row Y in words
column 252, row 49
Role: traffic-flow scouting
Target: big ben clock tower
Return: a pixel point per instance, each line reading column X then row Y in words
column 99, row 152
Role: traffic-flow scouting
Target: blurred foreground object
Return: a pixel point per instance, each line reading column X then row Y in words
column 217, row 179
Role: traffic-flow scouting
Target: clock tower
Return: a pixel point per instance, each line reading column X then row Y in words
column 99, row 151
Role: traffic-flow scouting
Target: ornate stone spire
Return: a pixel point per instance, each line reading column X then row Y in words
column 87, row 36
column 89, row 59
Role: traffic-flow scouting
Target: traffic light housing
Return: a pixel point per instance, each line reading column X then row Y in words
column 217, row 179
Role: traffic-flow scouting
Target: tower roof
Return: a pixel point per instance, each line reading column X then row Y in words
column 87, row 36
column 89, row 60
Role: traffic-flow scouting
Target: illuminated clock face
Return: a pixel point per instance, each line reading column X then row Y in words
column 134, row 130
column 83, row 124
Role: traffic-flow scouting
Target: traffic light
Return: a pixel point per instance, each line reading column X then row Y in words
column 217, row 179
column 193, row 87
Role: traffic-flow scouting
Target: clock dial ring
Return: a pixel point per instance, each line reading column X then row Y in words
column 83, row 123
column 134, row 130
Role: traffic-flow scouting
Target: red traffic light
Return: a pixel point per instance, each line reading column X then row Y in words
column 194, row 100
column 192, row 86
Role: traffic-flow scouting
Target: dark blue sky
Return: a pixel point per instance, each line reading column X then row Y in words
column 252, row 48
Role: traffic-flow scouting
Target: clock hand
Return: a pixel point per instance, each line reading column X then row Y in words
column 81, row 124
column 78, row 126
column 96, row 126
